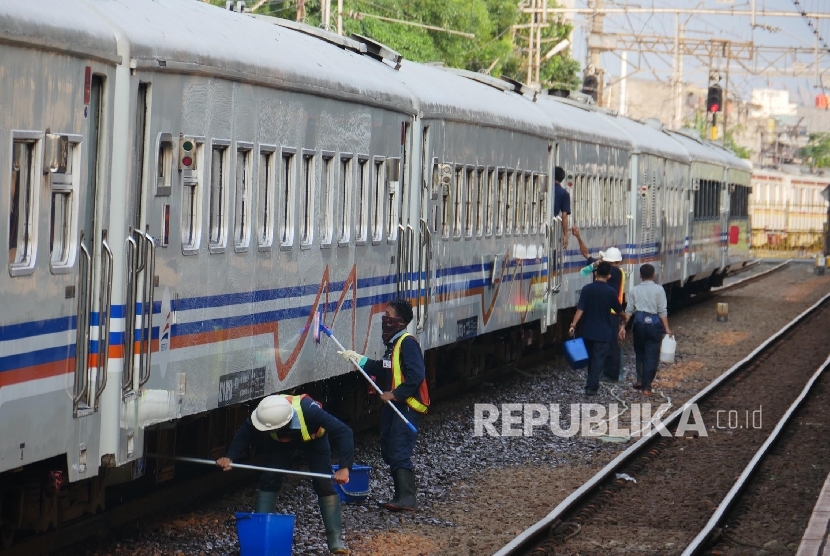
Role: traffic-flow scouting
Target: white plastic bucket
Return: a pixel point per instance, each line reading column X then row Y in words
column 667, row 349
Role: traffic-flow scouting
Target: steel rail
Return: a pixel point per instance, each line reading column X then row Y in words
column 701, row 541
column 532, row 534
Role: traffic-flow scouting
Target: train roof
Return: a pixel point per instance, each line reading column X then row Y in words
column 58, row 25
column 581, row 122
column 193, row 37
column 650, row 140
column 456, row 95
column 700, row 151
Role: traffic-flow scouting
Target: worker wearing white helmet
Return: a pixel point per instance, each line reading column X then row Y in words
column 612, row 255
column 286, row 423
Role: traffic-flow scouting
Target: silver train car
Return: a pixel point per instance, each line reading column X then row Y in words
column 183, row 200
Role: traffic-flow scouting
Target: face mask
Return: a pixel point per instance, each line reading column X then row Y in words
column 391, row 326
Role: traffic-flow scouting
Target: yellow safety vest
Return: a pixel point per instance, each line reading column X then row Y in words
column 397, row 379
column 621, row 292
column 295, row 403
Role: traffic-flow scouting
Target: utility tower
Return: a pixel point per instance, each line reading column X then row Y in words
column 594, row 75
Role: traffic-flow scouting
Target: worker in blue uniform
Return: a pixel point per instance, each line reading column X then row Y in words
column 613, row 362
column 561, row 202
column 595, row 303
column 402, row 376
column 287, row 423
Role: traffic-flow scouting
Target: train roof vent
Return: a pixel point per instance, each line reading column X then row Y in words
column 322, row 34
column 690, row 132
column 522, row 88
column 379, row 51
column 494, row 82
column 653, row 122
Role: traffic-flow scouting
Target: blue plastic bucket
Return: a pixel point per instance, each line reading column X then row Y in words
column 576, row 353
column 357, row 489
column 264, row 534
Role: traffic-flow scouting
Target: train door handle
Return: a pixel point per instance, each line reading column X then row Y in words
column 104, row 316
column 132, row 253
column 82, row 327
column 147, row 308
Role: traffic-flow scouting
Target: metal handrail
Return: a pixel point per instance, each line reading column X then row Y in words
column 82, row 325
column 149, row 290
column 550, row 265
column 425, row 254
column 400, row 259
column 104, row 317
column 129, row 326
column 410, row 243
column 559, row 253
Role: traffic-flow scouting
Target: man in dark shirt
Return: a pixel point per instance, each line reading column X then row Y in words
column 561, row 203
column 284, row 424
column 402, row 375
column 613, row 363
column 596, row 301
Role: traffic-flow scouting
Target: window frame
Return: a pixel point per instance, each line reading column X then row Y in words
column 309, row 182
column 193, row 181
column 458, row 186
column 378, row 199
column 327, row 188
column 35, row 180
column 288, row 182
column 242, row 230
column 501, row 200
column 219, row 246
column 362, row 182
column 266, row 199
column 345, row 185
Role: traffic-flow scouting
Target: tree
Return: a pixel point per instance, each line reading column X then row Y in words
column 701, row 123
column 495, row 48
column 817, row 150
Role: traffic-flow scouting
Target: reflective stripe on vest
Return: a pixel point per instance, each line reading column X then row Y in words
column 397, row 379
column 621, row 291
column 295, row 403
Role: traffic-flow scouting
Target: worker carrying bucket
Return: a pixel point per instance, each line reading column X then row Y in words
column 284, row 424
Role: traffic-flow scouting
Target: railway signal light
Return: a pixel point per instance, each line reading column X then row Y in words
column 590, row 86
column 714, row 100
column 187, row 153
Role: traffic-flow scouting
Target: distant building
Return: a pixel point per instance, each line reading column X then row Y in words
column 772, row 102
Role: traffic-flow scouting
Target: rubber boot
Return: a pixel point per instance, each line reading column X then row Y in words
column 405, row 479
column 332, row 520
column 266, row 501
column 396, row 496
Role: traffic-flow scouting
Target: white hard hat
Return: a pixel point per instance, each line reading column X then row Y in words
column 272, row 413
column 613, row 255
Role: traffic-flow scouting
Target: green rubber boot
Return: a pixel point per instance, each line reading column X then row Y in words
column 266, row 501
column 405, row 498
column 333, row 522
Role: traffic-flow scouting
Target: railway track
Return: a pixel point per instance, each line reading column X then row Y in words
column 130, row 510
column 686, row 483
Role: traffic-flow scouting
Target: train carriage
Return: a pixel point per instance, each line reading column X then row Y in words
column 659, row 171
column 705, row 234
column 596, row 158
column 739, row 231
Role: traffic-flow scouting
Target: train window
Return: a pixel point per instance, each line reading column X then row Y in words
column 23, row 217
column 521, row 199
column 64, row 201
column 458, row 201
column 327, row 199
column 481, row 201
column 362, row 198
column 265, row 198
column 307, row 221
column 346, row 198
column 490, row 200
column 470, row 186
column 218, row 201
column 192, row 200
column 393, row 181
column 543, row 188
column 242, row 206
column 378, row 199
column 534, row 203
column 287, row 198
column 510, row 200
column 501, row 201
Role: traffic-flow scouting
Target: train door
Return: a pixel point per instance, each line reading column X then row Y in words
column 407, row 211
column 554, row 251
column 67, row 154
column 723, row 217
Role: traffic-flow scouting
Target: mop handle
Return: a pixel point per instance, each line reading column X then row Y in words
column 245, row 466
column 357, row 366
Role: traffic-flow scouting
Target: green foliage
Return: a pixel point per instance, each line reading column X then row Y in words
column 817, row 150
column 494, row 48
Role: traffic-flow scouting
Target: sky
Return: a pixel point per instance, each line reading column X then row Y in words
column 794, row 31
